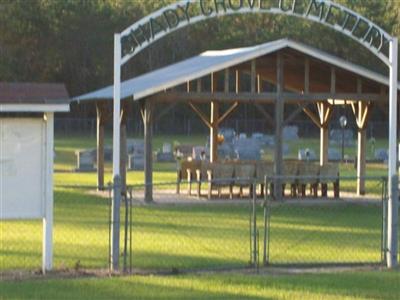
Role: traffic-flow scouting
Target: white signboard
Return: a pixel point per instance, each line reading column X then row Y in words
column 22, row 168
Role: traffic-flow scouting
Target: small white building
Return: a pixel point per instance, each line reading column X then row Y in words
column 26, row 153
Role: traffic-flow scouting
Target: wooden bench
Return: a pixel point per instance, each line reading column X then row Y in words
column 308, row 175
column 244, row 176
column 202, row 174
column 264, row 169
column 187, row 169
column 290, row 170
column 329, row 173
column 220, row 175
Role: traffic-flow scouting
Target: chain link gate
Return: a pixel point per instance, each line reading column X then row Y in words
column 296, row 233
column 170, row 237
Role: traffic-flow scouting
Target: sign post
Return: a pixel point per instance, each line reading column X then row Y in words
column 393, row 200
column 116, row 199
column 47, row 260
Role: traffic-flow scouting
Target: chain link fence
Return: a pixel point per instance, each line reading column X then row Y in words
column 176, row 232
column 80, row 234
column 185, row 231
column 182, row 232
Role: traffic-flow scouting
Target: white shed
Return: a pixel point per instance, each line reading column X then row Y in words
column 26, row 153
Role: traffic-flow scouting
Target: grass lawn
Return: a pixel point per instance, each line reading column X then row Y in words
column 200, row 236
column 353, row 285
column 196, row 236
column 187, row 236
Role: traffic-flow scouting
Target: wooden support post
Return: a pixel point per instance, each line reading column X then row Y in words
column 214, row 118
column 333, row 80
column 198, row 85
column 253, row 76
column 123, row 147
column 325, row 112
column 147, row 114
column 214, row 131
column 237, row 81
column 279, row 110
column 361, row 160
column 324, row 144
column 226, row 80
column 101, row 118
column 214, row 82
column 306, row 76
column 361, row 113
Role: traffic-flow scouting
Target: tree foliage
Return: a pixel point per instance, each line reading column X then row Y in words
column 71, row 41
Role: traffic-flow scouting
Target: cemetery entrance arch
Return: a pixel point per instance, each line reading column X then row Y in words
column 146, row 31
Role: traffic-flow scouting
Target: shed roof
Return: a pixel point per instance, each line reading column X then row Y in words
column 213, row 61
column 33, row 97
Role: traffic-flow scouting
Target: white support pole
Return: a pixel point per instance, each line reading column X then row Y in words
column 117, row 103
column 47, row 256
column 115, row 207
column 392, row 175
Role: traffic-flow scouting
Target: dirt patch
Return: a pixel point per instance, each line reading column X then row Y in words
column 262, row 271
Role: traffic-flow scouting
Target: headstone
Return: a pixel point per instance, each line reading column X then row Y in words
column 166, row 154
column 335, row 137
column 108, row 153
column 381, row 154
column 226, row 151
column 135, row 145
column 290, row 133
column 135, row 154
column 285, row 149
column 248, row 149
column 262, row 138
column 334, row 154
column 136, row 162
column 228, row 133
column 306, row 154
column 183, row 151
column 167, row 148
column 269, row 140
column 197, row 151
column 165, row 157
column 84, row 160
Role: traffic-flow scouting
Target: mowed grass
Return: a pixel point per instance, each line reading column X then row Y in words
column 195, row 236
column 351, row 285
column 187, row 236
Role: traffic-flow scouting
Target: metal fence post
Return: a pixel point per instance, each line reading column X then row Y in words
column 254, row 225
column 115, row 223
column 384, row 222
column 126, row 233
column 266, row 219
column 392, row 220
column 130, row 230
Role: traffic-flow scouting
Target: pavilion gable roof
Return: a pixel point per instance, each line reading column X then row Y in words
column 214, row 61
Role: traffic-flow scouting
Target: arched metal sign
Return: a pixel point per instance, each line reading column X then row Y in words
column 175, row 16
column 166, row 20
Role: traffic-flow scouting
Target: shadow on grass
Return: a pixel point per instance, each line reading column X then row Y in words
column 355, row 285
